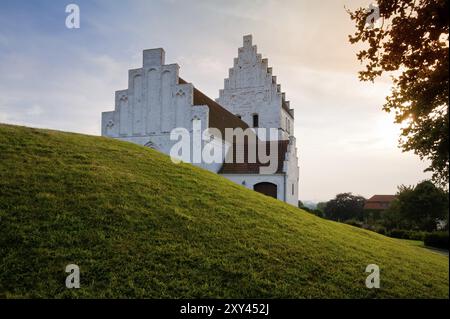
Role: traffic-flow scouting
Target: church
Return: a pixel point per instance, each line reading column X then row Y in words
column 158, row 102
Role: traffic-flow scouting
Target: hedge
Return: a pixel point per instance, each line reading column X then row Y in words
column 437, row 239
column 407, row 234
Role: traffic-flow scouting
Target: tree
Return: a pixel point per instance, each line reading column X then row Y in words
column 393, row 218
column 411, row 42
column 310, row 210
column 321, row 206
column 345, row 206
column 419, row 207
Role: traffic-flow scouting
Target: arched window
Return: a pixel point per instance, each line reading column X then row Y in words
column 255, row 120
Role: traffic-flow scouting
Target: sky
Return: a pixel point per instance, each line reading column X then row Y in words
column 59, row 78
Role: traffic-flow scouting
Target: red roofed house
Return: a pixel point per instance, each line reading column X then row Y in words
column 377, row 204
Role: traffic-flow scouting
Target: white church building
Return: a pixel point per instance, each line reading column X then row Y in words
column 158, row 101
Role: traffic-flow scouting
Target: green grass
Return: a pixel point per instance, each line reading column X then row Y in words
column 140, row 226
column 420, row 243
column 417, row 243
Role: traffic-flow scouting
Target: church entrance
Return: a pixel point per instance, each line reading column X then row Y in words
column 266, row 188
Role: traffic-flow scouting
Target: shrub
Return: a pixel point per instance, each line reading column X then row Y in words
column 354, row 222
column 380, row 229
column 407, row 234
column 437, row 239
column 417, row 235
column 398, row 233
column 375, row 228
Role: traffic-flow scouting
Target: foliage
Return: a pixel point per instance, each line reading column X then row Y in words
column 437, row 239
column 406, row 234
column 379, row 229
column 393, row 219
column 419, row 207
column 345, row 206
column 140, row 226
column 321, row 207
column 316, row 211
column 354, row 222
column 410, row 42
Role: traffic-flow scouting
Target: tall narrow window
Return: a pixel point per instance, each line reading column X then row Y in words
column 293, row 188
column 255, row 120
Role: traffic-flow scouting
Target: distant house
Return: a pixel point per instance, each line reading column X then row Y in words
column 376, row 205
column 379, row 202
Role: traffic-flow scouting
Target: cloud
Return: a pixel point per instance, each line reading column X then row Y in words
column 63, row 79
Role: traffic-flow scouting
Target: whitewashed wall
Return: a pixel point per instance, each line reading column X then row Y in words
column 290, row 167
column 153, row 105
column 252, row 89
column 249, row 181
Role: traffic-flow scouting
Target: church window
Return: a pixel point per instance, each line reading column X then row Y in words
column 255, row 120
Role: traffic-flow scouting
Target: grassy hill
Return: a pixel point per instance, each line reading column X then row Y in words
column 140, row 226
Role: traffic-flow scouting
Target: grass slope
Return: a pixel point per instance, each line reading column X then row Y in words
column 140, row 226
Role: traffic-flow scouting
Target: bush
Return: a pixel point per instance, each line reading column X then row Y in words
column 375, row 228
column 379, row 229
column 437, row 239
column 398, row 233
column 354, row 222
column 407, row 234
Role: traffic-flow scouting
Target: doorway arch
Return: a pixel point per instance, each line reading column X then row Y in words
column 266, row 188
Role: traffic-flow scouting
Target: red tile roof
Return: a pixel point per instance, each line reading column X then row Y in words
column 254, row 168
column 382, row 198
column 379, row 202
